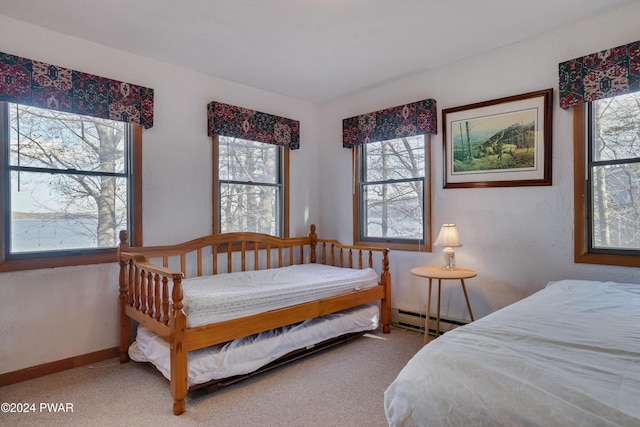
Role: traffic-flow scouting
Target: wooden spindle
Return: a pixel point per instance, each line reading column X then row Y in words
column 370, row 259
column 199, row 254
column 143, row 292
column 350, row 258
column 157, row 297
column 132, row 272
column 214, row 255
column 360, row 259
column 136, row 289
column 165, row 300
column 256, row 253
column 150, row 302
column 268, row 256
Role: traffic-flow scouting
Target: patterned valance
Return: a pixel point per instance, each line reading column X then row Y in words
column 42, row 85
column 600, row 75
column 237, row 122
column 417, row 118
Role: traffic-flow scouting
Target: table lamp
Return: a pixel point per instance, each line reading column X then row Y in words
column 448, row 238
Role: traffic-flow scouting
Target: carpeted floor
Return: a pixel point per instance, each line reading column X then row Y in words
column 342, row 386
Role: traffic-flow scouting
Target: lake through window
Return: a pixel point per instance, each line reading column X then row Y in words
column 66, row 182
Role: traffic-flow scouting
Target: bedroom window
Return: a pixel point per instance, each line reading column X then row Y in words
column 391, row 202
column 68, row 187
column 607, row 174
column 250, row 191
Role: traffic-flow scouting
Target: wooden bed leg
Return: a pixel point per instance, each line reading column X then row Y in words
column 385, row 303
column 177, row 327
column 124, row 322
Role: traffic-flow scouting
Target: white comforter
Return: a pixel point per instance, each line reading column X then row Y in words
column 211, row 299
column 568, row 355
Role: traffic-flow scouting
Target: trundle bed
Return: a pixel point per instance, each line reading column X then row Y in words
column 219, row 308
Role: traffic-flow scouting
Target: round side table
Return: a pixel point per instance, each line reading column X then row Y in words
column 435, row 272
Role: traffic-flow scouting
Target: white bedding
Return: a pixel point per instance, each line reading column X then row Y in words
column 568, row 355
column 211, row 299
column 245, row 355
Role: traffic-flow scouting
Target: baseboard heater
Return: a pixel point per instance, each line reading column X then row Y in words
column 413, row 320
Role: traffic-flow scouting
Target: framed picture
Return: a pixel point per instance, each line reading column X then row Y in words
column 501, row 143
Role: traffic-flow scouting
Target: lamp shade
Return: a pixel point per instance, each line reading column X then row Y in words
column 448, row 236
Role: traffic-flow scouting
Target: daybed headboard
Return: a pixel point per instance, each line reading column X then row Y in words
column 243, row 251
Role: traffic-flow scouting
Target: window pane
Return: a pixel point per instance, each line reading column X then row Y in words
column 616, row 127
column 51, row 139
column 249, row 161
column 394, row 210
column 66, row 211
column 616, row 206
column 249, row 208
column 395, row 159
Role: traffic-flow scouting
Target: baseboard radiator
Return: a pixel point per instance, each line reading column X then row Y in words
column 413, row 320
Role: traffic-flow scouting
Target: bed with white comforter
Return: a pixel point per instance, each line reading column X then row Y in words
column 568, row 355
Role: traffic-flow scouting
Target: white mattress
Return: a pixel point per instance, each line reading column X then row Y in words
column 211, row 299
column 245, row 355
column 568, row 355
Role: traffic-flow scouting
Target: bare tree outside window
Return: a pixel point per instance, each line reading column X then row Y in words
column 250, row 186
column 392, row 189
column 68, row 180
column 615, row 172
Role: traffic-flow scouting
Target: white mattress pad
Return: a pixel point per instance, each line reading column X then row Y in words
column 226, row 296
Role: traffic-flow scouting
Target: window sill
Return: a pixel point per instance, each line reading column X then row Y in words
column 395, row 246
column 66, row 261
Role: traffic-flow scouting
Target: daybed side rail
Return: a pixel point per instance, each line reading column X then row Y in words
column 336, row 249
column 333, row 247
column 149, row 288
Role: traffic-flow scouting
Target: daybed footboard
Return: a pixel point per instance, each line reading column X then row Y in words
column 151, row 293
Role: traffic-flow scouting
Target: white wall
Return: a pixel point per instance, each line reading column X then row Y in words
column 517, row 238
column 52, row 314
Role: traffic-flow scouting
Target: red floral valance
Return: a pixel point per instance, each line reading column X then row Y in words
column 417, row 118
column 24, row 81
column 600, row 75
column 237, row 122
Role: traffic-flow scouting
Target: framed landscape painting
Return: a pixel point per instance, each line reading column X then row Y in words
column 500, row 143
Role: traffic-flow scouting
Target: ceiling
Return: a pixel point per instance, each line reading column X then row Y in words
column 313, row 50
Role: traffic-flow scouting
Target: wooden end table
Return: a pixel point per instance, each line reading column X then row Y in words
column 435, row 272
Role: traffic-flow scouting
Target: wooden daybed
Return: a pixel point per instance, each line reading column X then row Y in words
column 151, row 289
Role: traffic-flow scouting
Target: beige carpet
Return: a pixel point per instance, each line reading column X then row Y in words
column 342, row 386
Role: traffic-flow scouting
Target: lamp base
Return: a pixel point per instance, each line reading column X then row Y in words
column 449, row 259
